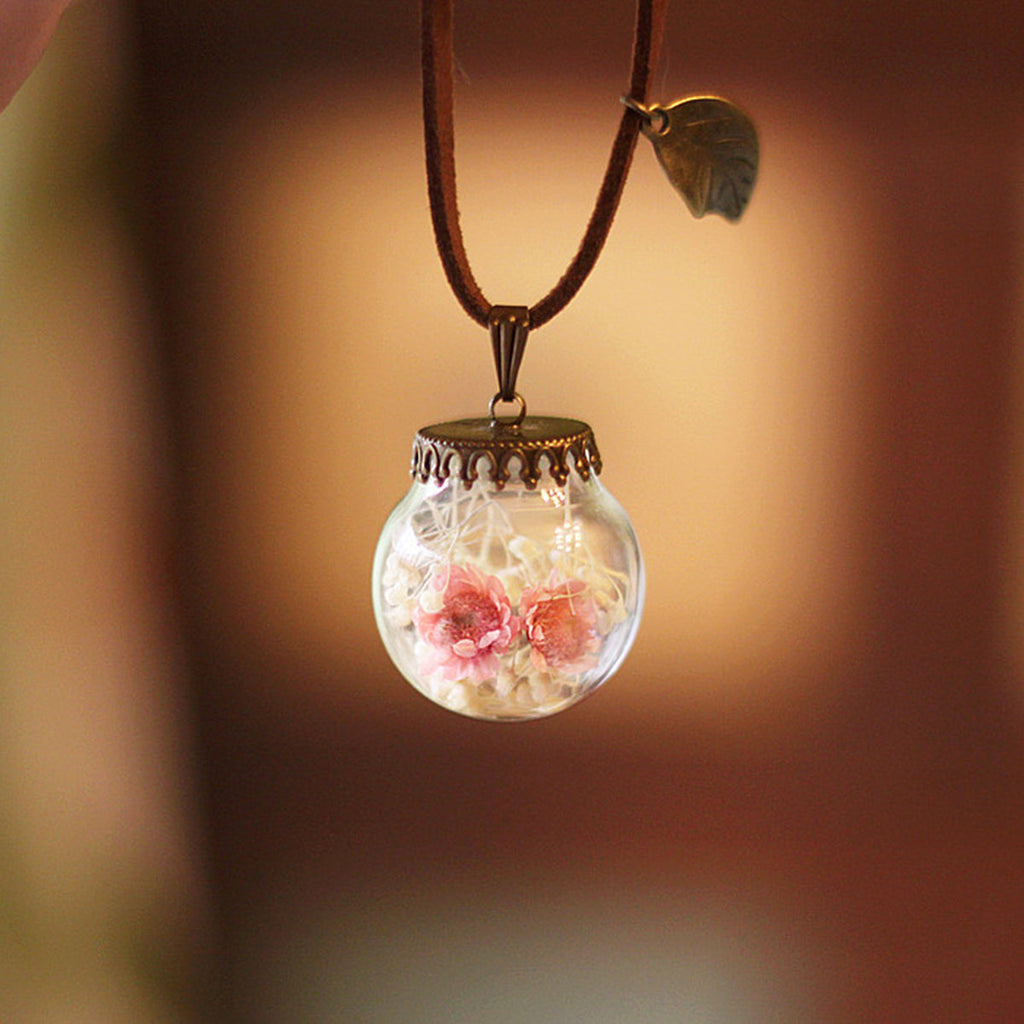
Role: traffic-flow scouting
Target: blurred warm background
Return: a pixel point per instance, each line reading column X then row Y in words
column 221, row 321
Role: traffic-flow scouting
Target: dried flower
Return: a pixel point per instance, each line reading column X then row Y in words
column 560, row 621
column 465, row 621
column 400, row 579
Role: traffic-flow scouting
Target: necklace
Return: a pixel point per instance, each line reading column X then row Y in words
column 508, row 584
column 439, row 138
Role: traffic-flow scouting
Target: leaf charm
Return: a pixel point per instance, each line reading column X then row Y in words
column 709, row 151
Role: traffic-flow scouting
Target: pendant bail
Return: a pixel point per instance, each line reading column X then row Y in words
column 509, row 326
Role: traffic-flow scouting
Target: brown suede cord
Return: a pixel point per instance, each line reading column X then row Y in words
column 438, row 125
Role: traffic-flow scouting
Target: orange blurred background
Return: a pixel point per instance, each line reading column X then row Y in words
column 223, row 321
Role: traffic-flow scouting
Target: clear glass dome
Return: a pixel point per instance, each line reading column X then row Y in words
column 508, row 603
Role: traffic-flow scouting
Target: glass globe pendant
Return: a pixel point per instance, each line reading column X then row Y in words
column 508, row 583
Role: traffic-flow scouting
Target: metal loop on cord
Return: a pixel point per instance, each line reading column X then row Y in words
column 510, row 327
column 655, row 119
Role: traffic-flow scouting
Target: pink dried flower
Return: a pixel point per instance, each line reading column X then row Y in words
column 560, row 620
column 465, row 620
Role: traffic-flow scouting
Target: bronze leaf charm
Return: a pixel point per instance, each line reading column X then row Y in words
column 709, row 151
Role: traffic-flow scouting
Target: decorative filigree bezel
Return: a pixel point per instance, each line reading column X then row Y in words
column 460, row 447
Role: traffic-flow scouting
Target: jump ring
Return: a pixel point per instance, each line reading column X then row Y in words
column 654, row 117
column 516, row 420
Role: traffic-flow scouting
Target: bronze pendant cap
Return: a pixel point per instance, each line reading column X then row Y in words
column 523, row 447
